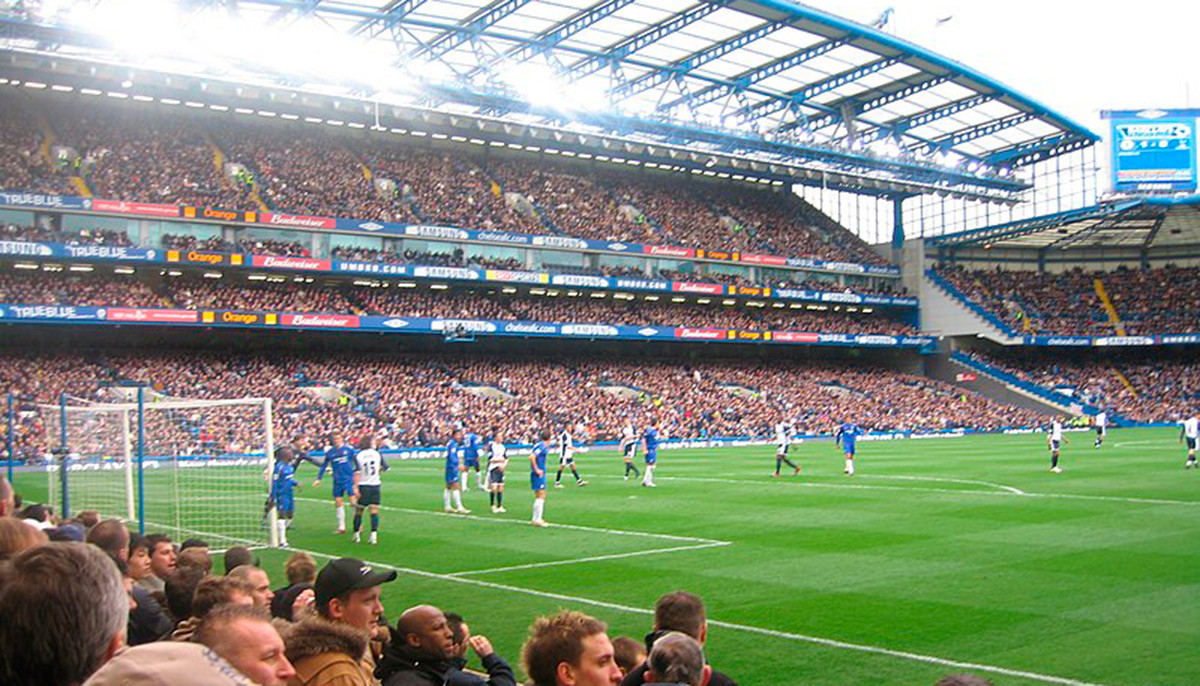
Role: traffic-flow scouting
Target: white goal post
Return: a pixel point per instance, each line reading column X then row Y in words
column 187, row 468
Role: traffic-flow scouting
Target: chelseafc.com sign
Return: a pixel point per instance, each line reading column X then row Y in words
column 1154, row 150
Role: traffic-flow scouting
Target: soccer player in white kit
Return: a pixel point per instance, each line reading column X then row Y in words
column 497, row 463
column 783, row 438
column 629, row 444
column 1054, row 440
column 1101, row 423
column 566, row 458
column 367, row 483
column 1190, row 431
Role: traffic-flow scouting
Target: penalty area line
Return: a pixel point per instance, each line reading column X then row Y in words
column 595, row 558
column 787, row 635
column 521, row 522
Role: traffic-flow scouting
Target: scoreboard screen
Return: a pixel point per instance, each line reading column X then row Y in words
column 1154, row 150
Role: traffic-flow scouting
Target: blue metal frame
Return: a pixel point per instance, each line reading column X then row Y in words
column 62, row 468
column 141, row 458
column 8, row 438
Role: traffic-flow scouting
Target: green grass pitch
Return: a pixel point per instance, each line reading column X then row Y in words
column 964, row 550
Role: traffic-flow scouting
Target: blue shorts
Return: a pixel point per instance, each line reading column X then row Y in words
column 452, row 473
column 652, row 457
column 285, row 502
column 848, row 449
column 471, row 460
column 537, row 483
column 342, row 488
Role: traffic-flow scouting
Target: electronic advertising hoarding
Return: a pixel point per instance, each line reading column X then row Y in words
column 1154, row 150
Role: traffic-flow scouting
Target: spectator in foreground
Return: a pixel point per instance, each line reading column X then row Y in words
column 210, row 593
column 162, row 562
column 58, row 634
column 147, row 621
column 683, row 612
column 196, row 557
column 570, row 649
column 257, row 579
column 237, row 556
column 168, row 664
column 677, row 658
column 8, row 498
column 333, row 648
column 423, row 653
column 181, row 591
column 245, row 637
column 17, row 536
column 301, row 570
column 629, row 653
column 111, row 536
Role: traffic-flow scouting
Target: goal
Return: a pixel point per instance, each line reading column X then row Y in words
column 186, row 468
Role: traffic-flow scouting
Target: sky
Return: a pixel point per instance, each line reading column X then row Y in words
column 1077, row 57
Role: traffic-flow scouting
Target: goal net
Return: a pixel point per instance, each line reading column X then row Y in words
column 185, row 468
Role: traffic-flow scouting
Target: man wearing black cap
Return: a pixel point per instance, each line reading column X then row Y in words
column 333, row 649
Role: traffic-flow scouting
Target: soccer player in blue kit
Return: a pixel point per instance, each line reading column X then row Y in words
column 283, row 485
column 846, row 435
column 537, row 477
column 650, row 441
column 339, row 458
column 471, row 448
column 452, row 495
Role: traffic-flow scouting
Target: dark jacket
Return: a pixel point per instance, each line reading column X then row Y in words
column 147, row 622
column 637, row 676
column 402, row 665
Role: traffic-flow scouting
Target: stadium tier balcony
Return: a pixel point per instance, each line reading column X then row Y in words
column 125, row 152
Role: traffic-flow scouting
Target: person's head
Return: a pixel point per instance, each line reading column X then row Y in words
column 257, row 580
column 963, row 680
column 180, row 590
column 194, row 543
column 139, row 557
column 424, row 629
column 162, row 555
column 348, row 591
column 677, row 658
column 195, row 557
column 366, row 442
column 681, row 611
column 629, row 653
column 58, row 633
column 245, row 637
column 168, row 663
column 17, row 536
column 300, row 568
column 285, row 455
column 459, row 633
column 457, row 435
column 544, row 435
column 220, row 590
column 8, row 498
column 335, row 439
column 569, row 649
column 113, row 537
column 237, row 556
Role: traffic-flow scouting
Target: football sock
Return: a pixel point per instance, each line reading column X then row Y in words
column 576, row 473
column 1053, row 460
column 479, row 478
column 357, row 519
column 849, row 466
column 462, row 479
column 374, row 523
column 341, row 517
column 446, row 498
column 539, row 506
column 282, row 526
column 499, row 498
column 558, row 477
column 457, row 496
column 778, row 464
column 492, row 498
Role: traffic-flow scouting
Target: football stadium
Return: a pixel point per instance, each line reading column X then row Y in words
column 585, row 342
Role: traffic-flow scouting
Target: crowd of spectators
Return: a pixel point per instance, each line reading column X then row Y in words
column 1160, row 389
column 414, row 399
column 1147, row 301
column 37, row 234
column 54, row 288
column 153, row 155
column 172, row 241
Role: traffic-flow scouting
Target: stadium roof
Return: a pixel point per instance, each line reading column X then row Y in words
column 771, row 76
column 1139, row 223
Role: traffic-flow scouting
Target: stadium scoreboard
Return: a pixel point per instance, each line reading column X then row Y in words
column 1153, row 150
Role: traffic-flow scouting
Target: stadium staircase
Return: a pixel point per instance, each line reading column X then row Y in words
column 1113, row 317
column 1058, row 401
column 48, row 139
column 947, row 311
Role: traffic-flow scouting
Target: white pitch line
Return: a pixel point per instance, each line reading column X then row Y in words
column 961, row 491
column 520, row 522
column 801, row 638
column 595, row 558
column 969, row 482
